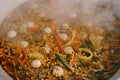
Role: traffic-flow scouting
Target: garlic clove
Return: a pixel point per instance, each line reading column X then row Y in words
column 68, row 50
column 63, row 36
column 36, row 63
column 47, row 30
column 47, row 49
column 11, row 34
column 24, row 43
column 58, row 71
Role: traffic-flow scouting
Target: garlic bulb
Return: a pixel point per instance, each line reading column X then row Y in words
column 47, row 30
column 58, row 71
column 47, row 49
column 63, row 36
column 36, row 63
column 24, row 43
column 68, row 50
column 11, row 34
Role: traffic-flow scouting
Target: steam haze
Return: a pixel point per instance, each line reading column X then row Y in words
column 95, row 12
column 88, row 12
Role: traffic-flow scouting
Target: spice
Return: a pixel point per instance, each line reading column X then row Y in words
column 63, row 61
column 85, row 57
column 95, row 42
column 72, row 39
column 59, row 43
column 35, row 55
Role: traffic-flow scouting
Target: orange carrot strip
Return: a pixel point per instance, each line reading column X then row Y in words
column 7, row 69
column 1, row 55
column 59, row 43
column 24, row 58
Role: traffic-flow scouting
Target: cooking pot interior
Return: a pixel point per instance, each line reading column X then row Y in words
column 83, row 16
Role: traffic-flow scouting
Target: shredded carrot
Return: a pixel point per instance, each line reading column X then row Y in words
column 24, row 58
column 8, row 70
column 109, row 68
column 59, row 43
column 72, row 39
column 1, row 55
column 110, row 61
column 15, row 71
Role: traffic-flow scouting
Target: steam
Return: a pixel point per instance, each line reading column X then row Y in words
column 87, row 12
column 116, row 7
column 95, row 12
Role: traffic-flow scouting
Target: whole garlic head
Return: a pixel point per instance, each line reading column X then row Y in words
column 36, row 63
column 24, row 43
column 47, row 49
column 47, row 30
column 11, row 34
column 63, row 36
column 68, row 50
column 58, row 71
